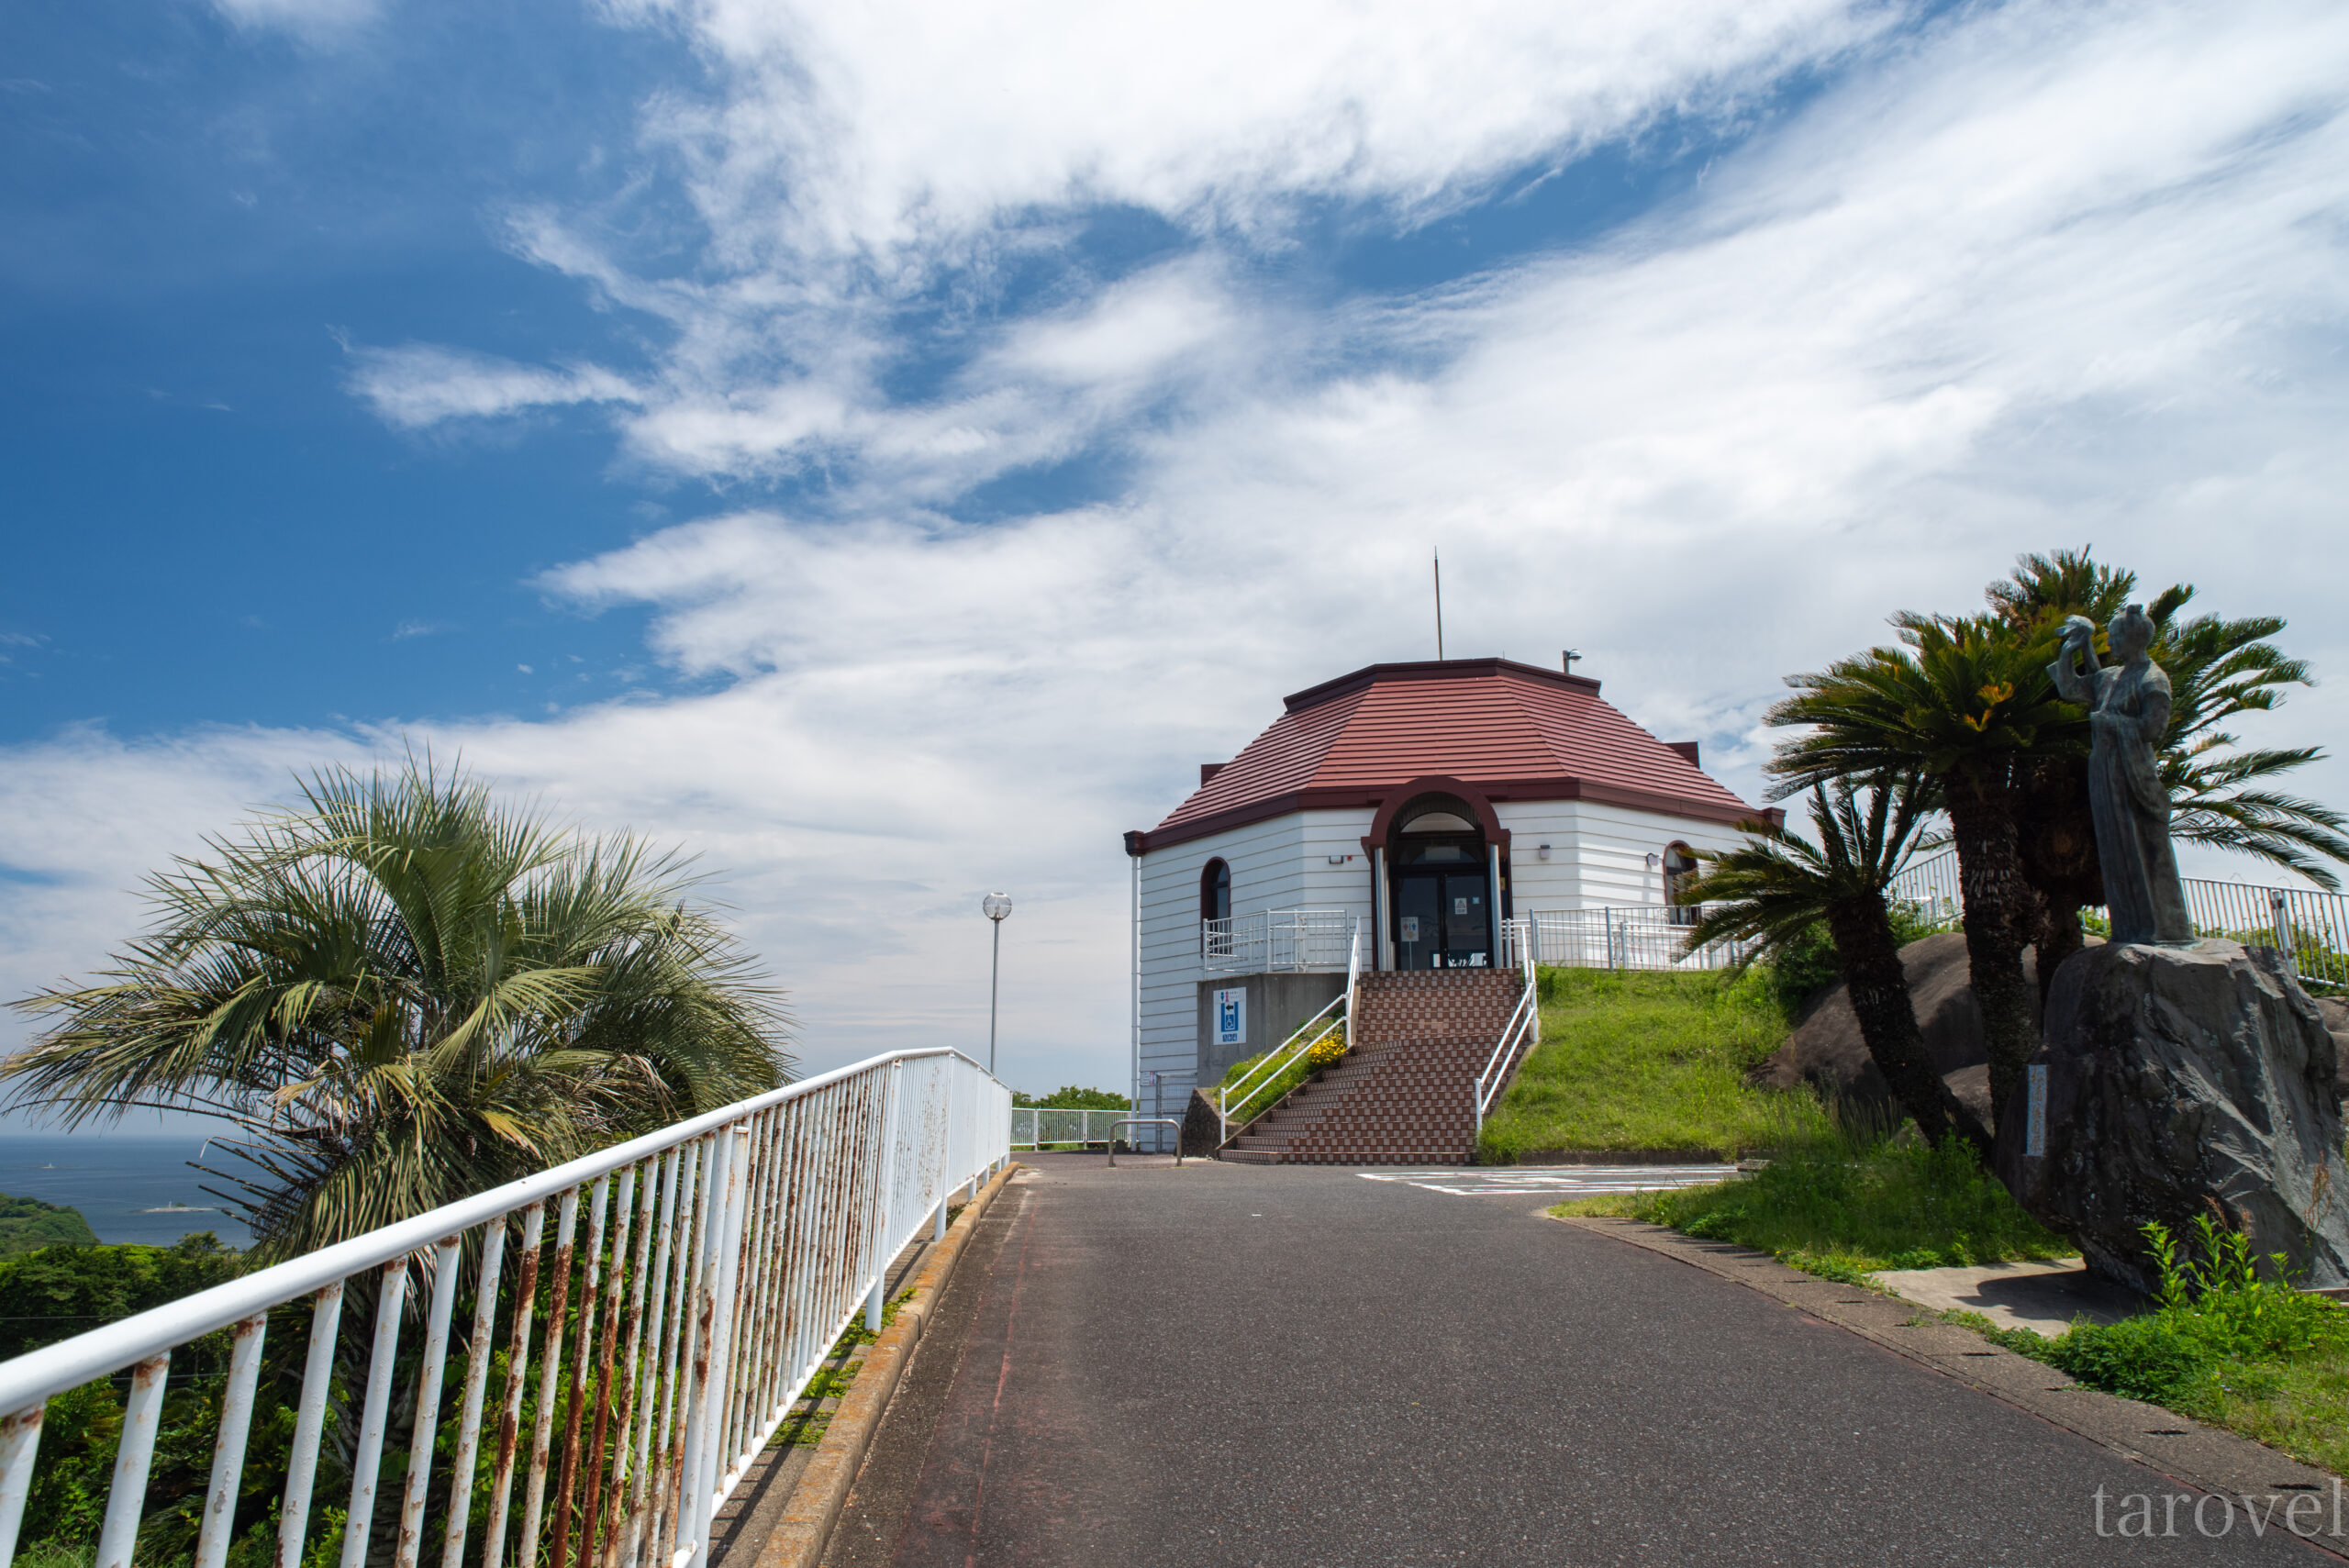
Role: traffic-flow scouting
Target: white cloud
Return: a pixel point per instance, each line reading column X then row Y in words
column 852, row 158
column 2041, row 275
column 317, row 20
column 419, row 385
column 902, row 123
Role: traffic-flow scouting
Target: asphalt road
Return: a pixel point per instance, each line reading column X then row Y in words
column 1228, row 1364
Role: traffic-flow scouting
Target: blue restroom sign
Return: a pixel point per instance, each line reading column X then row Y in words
column 1231, row 1016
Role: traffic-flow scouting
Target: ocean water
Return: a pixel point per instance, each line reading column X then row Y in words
column 126, row 1186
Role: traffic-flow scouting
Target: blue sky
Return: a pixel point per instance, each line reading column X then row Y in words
column 884, row 448
column 198, row 216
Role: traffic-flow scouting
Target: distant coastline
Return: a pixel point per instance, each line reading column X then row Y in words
column 129, row 1188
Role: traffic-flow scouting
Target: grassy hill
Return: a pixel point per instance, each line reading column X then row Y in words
column 26, row 1223
column 1632, row 1060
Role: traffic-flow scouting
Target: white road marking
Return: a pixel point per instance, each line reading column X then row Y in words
column 1556, row 1180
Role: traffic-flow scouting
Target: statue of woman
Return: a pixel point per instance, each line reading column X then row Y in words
column 2128, row 714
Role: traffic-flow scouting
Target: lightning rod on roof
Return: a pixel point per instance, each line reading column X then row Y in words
column 1439, row 606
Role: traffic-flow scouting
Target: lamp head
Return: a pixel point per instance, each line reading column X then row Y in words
column 996, row 904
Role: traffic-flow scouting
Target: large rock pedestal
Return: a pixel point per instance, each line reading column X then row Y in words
column 2179, row 1078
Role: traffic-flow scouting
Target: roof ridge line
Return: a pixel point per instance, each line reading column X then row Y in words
column 1429, row 670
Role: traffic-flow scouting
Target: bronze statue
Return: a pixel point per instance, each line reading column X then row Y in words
column 2128, row 714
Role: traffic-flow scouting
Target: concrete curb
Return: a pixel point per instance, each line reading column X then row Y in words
column 805, row 1528
column 2207, row 1459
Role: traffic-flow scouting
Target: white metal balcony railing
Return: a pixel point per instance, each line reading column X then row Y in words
column 1277, row 939
column 1640, row 936
column 722, row 1259
column 2309, row 927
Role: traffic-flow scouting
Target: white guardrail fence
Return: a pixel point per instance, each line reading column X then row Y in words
column 720, row 1261
column 2309, row 927
column 1035, row 1127
column 1643, row 936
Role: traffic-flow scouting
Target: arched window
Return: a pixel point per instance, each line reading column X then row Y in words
column 1215, row 891
column 1680, row 870
column 1215, row 910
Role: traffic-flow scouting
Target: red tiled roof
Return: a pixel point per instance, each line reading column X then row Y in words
column 1515, row 731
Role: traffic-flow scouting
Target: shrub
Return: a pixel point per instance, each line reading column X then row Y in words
column 2215, row 1313
column 2151, row 1359
column 1263, row 1092
column 1802, row 968
column 1798, row 969
column 1068, row 1098
column 59, row 1292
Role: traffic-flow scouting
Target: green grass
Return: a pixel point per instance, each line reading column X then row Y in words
column 1844, row 1200
column 2224, row 1347
column 58, row 1554
column 1640, row 1060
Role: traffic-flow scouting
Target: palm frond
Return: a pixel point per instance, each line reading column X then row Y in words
column 399, row 992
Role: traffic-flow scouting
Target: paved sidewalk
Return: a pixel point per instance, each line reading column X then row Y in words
column 1294, row 1366
column 2044, row 1297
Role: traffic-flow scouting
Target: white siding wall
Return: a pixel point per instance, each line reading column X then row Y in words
column 1280, row 864
column 1598, row 854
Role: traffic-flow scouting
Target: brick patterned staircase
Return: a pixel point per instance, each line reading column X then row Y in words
column 1404, row 1093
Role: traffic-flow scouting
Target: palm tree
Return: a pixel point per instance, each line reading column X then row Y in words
column 1961, row 701
column 2219, row 669
column 1775, row 888
column 401, row 993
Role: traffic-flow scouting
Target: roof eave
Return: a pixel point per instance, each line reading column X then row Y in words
column 1360, row 797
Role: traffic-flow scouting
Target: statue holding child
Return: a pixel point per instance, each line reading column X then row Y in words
column 2129, row 711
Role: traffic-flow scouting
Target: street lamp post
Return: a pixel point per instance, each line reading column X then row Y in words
column 997, row 906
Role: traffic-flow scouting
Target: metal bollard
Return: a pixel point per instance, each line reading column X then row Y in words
column 1145, row 1121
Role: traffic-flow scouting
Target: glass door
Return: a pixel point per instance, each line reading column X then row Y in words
column 1468, row 921
column 1419, row 909
column 1442, row 905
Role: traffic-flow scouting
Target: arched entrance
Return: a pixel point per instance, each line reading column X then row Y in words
column 1440, row 880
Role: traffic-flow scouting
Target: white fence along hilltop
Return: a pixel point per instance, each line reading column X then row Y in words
column 2309, row 927
column 697, row 1278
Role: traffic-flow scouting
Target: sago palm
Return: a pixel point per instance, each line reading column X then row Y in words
column 1772, row 890
column 1962, row 702
column 2218, row 670
column 400, row 992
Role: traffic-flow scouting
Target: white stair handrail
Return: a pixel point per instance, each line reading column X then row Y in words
column 1524, row 1027
column 1274, row 1063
